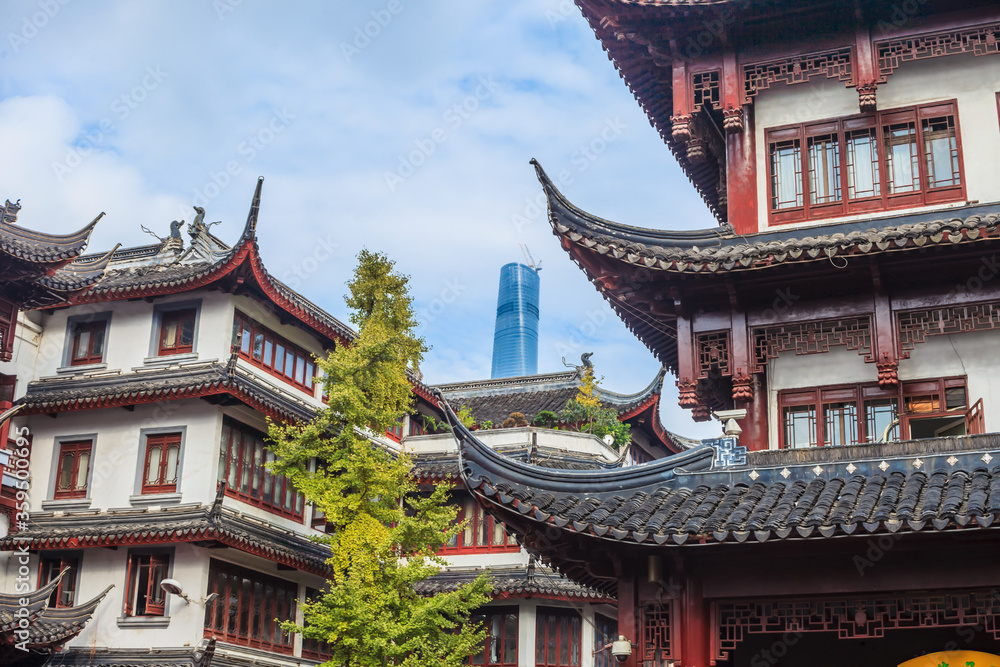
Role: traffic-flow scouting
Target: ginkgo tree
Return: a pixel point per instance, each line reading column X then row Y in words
column 385, row 533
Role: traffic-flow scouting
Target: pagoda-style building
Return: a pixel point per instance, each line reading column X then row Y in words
column 843, row 314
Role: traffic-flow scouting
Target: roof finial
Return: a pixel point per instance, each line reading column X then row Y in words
column 251, row 226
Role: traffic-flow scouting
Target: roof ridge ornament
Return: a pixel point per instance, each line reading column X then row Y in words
column 250, row 230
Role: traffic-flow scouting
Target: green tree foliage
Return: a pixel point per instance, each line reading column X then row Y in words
column 385, row 535
column 586, row 413
column 545, row 419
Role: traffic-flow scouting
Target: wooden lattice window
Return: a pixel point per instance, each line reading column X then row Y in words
column 143, row 594
column 159, row 473
column 500, row 646
column 249, row 608
column 177, row 331
column 852, row 414
column 557, row 638
column 242, row 465
column 879, row 161
column 88, row 343
column 481, row 534
column 265, row 349
column 64, row 596
column 73, row 470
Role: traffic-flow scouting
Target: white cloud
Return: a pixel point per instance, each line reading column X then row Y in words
column 220, row 84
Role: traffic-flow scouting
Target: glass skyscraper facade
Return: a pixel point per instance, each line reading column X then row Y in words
column 515, row 340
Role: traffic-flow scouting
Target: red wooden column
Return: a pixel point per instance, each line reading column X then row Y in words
column 628, row 611
column 741, row 158
column 696, row 628
column 886, row 358
column 687, row 370
column 865, row 68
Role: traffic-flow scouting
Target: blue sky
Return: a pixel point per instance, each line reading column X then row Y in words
column 399, row 126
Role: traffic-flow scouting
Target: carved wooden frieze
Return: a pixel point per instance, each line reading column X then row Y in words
column 854, row 333
column 979, row 40
column 835, row 64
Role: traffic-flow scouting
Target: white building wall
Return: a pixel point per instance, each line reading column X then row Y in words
column 972, row 81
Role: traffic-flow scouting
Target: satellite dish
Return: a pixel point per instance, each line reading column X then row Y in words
column 172, row 586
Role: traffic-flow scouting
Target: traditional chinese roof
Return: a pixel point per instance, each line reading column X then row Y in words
column 37, row 268
column 165, row 268
column 515, row 581
column 180, row 523
column 495, row 399
column 200, row 380
column 200, row 656
column 45, row 629
column 920, row 486
column 57, row 625
column 716, row 251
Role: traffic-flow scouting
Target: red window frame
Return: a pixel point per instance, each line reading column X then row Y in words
column 177, row 318
column 416, row 425
column 396, row 432
column 242, row 459
column 94, row 344
column 268, row 351
column 49, row 567
column 482, row 534
column 883, row 201
column 162, row 481
column 558, row 637
column 605, row 632
column 249, row 608
column 932, row 394
column 501, row 626
column 73, row 450
column 143, row 594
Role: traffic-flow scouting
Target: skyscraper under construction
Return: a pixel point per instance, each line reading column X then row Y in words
column 515, row 340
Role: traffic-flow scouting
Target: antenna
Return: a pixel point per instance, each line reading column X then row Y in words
column 529, row 260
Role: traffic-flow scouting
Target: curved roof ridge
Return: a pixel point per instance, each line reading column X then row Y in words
column 42, row 247
column 79, row 274
column 625, row 401
column 564, row 213
column 477, row 459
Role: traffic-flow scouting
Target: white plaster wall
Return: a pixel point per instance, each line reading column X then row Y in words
column 568, row 441
column 970, row 354
column 115, row 457
column 972, row 81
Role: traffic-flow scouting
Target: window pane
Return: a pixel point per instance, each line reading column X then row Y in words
column 300, row 371
column 82, row 345
column 82, row 470
column 169, row 334
column 510, row 639
column 954, row 398
column 289, row 363
column 929, row 403
column 279, row 357
column 800, row 426
column 268, row 351
column 258, row 346
column 786, row 174
column 170, row 475
column 187, row 330
column 941, row 151
column 97, row 342
column 902, row 167
column 153, row 465
column 540, row 639
column 245, row 340
column 841, row 423
column 824, row 169
column 310, row 374
column 862, row 165
column 494, row 638
column 470, row 514
column 66, row 472
column 564, row 640
column 878, row 415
